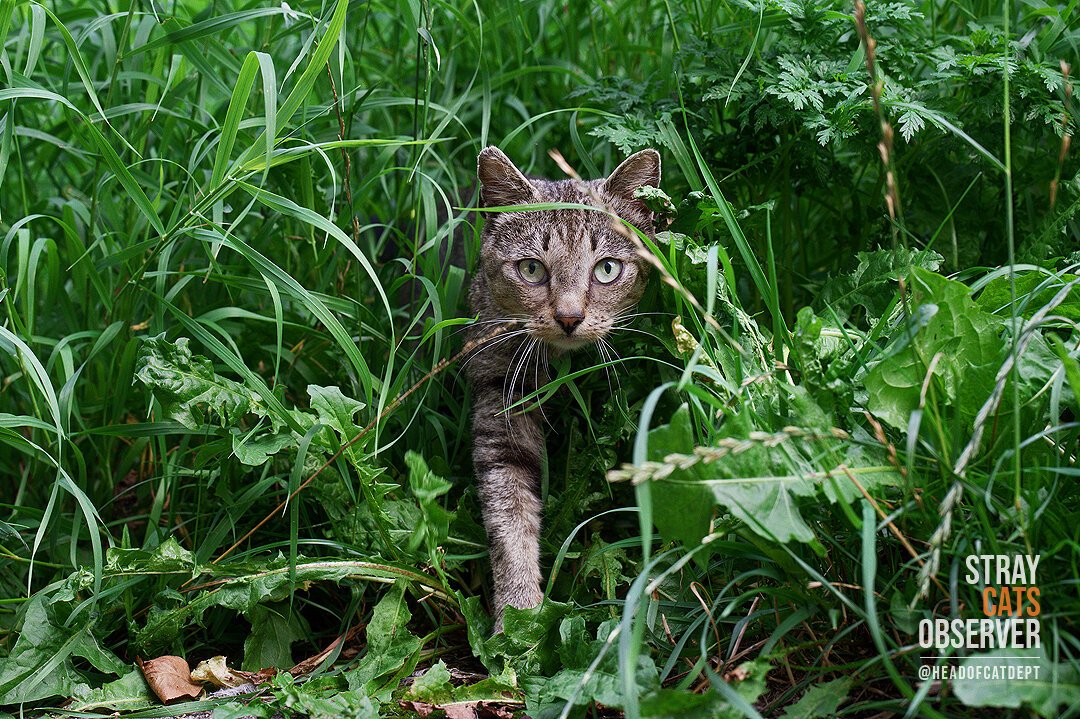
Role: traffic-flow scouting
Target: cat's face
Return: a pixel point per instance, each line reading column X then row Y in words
column 568, row 275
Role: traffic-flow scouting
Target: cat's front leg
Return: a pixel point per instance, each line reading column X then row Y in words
column 507, row 452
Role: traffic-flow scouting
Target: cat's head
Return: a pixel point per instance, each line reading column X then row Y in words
column 568, row 275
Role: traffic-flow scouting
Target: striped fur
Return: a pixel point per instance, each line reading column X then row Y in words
column 520, row 323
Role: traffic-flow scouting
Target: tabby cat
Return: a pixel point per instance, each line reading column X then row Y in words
column 548, row 280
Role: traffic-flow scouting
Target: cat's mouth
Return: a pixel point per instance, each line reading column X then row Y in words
column 569, row 343
column 555, row 337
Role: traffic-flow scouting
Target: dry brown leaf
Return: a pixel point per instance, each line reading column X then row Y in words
column 491, row 710
column 307, row 666
column 260, row 677
column 215, row 671
column 421, row 709
column 476, row 710
column 738, row 674
column 170, row 679
column 460, row 710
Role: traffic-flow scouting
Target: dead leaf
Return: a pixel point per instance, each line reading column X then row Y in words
column 421, row 709
column 260, row 677
column 460, row 710
column 491, row 710
column 215, row 671
column 170, row 679
column 475, row 710
column 738, row 674
column 307, row 666
column 459, row 676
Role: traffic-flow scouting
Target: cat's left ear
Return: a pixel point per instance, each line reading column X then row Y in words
column 640, row 169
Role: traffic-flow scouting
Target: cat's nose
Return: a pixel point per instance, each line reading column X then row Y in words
column 569, row 321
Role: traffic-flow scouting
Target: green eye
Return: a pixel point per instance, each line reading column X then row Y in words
column 532, row 270
column 607, row 270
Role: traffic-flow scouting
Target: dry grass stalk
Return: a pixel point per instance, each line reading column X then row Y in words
column 1066, row 138
column 877, row 86
column 652, row 470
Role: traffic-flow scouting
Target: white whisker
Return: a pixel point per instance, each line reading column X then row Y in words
column 507, row 377
column 493, row 342
column 528, row 346
column 635, row 329
column 609, row 350
column 541, row 350
column 600, row 348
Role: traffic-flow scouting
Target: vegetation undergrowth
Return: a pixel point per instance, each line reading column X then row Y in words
column 231, row 423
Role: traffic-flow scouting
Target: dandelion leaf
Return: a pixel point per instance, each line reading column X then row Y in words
column 950, row 338
column 187, row 387
column 1054, row 686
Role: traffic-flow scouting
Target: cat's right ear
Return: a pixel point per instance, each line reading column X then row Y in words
column 501, row 183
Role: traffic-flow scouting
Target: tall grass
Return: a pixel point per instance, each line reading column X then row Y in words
column 288, row 189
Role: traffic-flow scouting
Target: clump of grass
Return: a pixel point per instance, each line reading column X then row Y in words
column 234, row 423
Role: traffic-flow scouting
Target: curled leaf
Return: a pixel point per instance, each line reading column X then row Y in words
column 216, row 672
column 170, row 679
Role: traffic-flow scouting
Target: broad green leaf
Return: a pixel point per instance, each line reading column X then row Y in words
column 188, row 388
column 128, row 693
column 874, row 281
column 323, row 698
column 580, row 680
column 167, row 558
column 529, row 642
column 274, row 629
column 675, row 704
column 42, row 664
column 428, row 487
column 603, row 685
column 768, row 505
column 606, row 562
column 821, row 700
column 391, row 648
column 254, row 450
column 335, row 410
column 433, row 686
column 684, row 510
column 996, row 297
column 961, row 343
column 1070, row 365
column 1045, row 690
column 762, row 486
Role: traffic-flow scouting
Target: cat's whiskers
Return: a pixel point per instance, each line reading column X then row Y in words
column 508, row 400
column 493, row 342
column 610, row 351
column 624, row 315
column 605, row 360
column 540, row 353
column 523, row 372
column 505, row 393
column 479, row 323
column 624, row 328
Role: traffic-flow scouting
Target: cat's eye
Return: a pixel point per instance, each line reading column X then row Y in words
column 532, row 270
column 607, row 270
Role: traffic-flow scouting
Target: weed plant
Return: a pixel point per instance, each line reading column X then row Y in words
column 234, row 245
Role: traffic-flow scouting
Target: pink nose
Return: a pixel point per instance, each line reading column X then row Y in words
column 569, row 321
